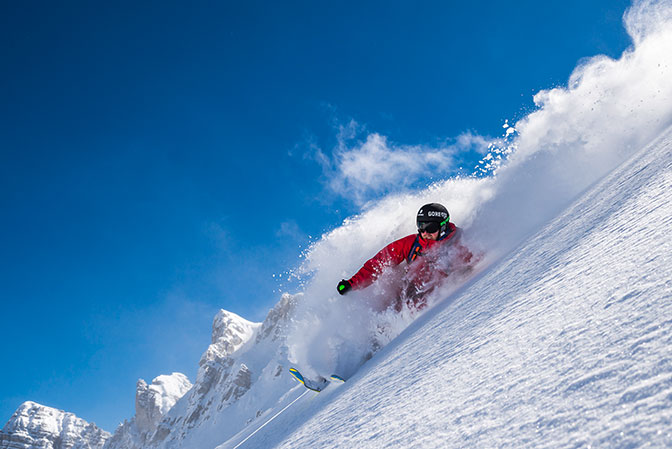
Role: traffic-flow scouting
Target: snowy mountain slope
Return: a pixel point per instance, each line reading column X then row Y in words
column 37, row 426
column 567, row 342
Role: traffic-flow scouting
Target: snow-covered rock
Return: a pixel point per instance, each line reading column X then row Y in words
column 37, row 426
column 152, row 402
column 229, row 333
column 235, row 374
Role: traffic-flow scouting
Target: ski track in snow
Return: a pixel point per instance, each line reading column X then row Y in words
column 565, row 343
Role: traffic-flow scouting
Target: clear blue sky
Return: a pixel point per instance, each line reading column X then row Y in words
column 158, row 159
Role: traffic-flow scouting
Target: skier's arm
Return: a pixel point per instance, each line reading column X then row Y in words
column 392, row 254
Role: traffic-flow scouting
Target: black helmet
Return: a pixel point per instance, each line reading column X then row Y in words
column 433, row 213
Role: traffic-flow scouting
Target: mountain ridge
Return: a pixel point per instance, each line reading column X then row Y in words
column 34, row 425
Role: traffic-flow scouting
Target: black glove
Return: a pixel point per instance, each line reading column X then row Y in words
column 344, row 287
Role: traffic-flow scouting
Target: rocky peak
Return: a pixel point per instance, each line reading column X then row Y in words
column 153, row 401
column 34, row 425
column 241, row 354
column 275, row 324
column 231, row 331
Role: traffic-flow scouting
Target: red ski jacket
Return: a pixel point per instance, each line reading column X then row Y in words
column 410, row 248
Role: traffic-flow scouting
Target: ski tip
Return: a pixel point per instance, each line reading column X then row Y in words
column 336, row 378
column 297, row 375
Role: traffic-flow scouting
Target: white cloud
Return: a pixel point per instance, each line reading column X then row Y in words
column 377, row 166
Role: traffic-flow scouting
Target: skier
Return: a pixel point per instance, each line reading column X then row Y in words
column 431, row 254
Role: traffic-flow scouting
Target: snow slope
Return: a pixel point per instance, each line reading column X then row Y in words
column 567, row 342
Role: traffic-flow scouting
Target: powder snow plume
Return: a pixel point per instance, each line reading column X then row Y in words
column 578, row 134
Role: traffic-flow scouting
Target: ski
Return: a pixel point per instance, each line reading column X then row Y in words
column 336, row 378
column 314, row 385
column 309, row 384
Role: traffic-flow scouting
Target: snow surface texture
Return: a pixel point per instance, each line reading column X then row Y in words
column 564, row 343
column 36, row 426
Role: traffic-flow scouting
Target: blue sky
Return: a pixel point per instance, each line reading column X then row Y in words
column 160, row 161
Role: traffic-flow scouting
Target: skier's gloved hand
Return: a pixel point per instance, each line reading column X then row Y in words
column 344, row 287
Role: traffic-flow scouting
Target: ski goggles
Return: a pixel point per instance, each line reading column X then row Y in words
column 428, row 226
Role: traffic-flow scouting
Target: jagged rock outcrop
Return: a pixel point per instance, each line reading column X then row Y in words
column 152, row 402
column 221, row 378
column 35, row 426
column 242, row 355
column 229, row 333
column 274, row 327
